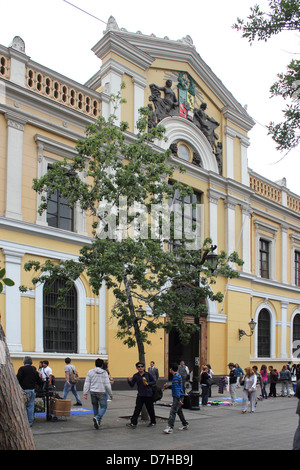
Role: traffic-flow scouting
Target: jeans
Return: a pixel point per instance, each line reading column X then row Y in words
column 232, row 388
column 264, row 391
column 30, row 405
column 71, row 388
column 99, row 402
column 140, row 401
column 251, row 397
column 176, row 409
column 205, row 394
column 285, row 387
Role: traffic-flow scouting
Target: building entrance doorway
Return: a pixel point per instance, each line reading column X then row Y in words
column 195, row 350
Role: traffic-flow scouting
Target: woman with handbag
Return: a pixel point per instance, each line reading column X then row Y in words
column 250, row 381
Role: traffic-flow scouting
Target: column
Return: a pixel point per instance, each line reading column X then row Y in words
column 283, row 353
column 14, row 166
column 229, row 152
column 213, row 199
column 244, row 161
column 13, row 261
column 284, row 253
column 230, row 224
column 112, row 79
column 246, row 238
column 139, row 86
column 102, row 320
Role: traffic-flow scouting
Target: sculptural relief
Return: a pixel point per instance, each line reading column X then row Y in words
column 184, row 106
column 164, row 106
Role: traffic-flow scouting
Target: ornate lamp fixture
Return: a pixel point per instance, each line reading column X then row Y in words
column 252, row 325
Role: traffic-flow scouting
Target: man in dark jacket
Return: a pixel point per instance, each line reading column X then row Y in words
column 144, row 381
column 28, row 378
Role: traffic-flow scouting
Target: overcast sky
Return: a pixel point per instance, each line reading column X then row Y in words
column 60, row 36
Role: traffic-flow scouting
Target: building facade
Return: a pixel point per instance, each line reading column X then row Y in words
column 42, row 116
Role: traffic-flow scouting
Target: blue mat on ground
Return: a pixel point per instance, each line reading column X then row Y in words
column 74, row 411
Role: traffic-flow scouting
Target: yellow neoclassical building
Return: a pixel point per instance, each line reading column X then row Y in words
column 43, row 114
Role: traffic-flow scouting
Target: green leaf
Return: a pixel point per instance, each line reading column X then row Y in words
column 8, row 282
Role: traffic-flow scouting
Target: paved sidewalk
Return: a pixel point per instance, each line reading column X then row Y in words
column 272, row 426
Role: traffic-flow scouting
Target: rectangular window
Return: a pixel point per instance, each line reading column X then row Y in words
column 297, row 268
column 59, row 213
column 189, row 217
column 264, row 258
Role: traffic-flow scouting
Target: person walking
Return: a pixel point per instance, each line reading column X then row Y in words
column 153, row 370
column 176, row 408
column 69, row 385
column 264, row 378
column 29, row 378
column 296, row 442
column 144, row 381
column 232, row 382
column 98, row 384
column 249, row 392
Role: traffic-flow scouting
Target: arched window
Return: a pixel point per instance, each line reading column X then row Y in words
column 59, row 324
column 296, row 336
column 264, row 334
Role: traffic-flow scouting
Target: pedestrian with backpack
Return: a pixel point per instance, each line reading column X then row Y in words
column 71, row 377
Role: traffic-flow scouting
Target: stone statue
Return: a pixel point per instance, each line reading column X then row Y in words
column 151, row 118
column 167, row 106
column 206, row 124
column 174, row 149
column 218, row 155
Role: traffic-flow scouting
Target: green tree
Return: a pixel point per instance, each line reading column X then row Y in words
column 284, row 15
column 125, row 252
column 15, row 433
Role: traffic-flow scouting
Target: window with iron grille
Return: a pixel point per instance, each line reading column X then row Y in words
column 178, row 204
column 264, row 334
column 59, row 324
column 297, row 268
column 264, row 258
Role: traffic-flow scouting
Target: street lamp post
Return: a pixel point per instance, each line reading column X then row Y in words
column 212, row 258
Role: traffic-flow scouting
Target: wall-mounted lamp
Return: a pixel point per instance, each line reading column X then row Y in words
column 252, row 325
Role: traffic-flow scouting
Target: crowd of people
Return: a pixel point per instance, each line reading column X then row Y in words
column 98, row 382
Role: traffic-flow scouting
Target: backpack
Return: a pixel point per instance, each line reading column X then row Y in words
column 157, row 393
column 74, row 378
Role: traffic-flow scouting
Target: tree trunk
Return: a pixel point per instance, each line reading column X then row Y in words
column 15, row 432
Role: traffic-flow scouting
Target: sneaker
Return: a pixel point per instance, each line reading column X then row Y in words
column 150, row 425
column 184, row 427
column 168, row 430
column 96, row 423
column 130, row 425
column 77, row 404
